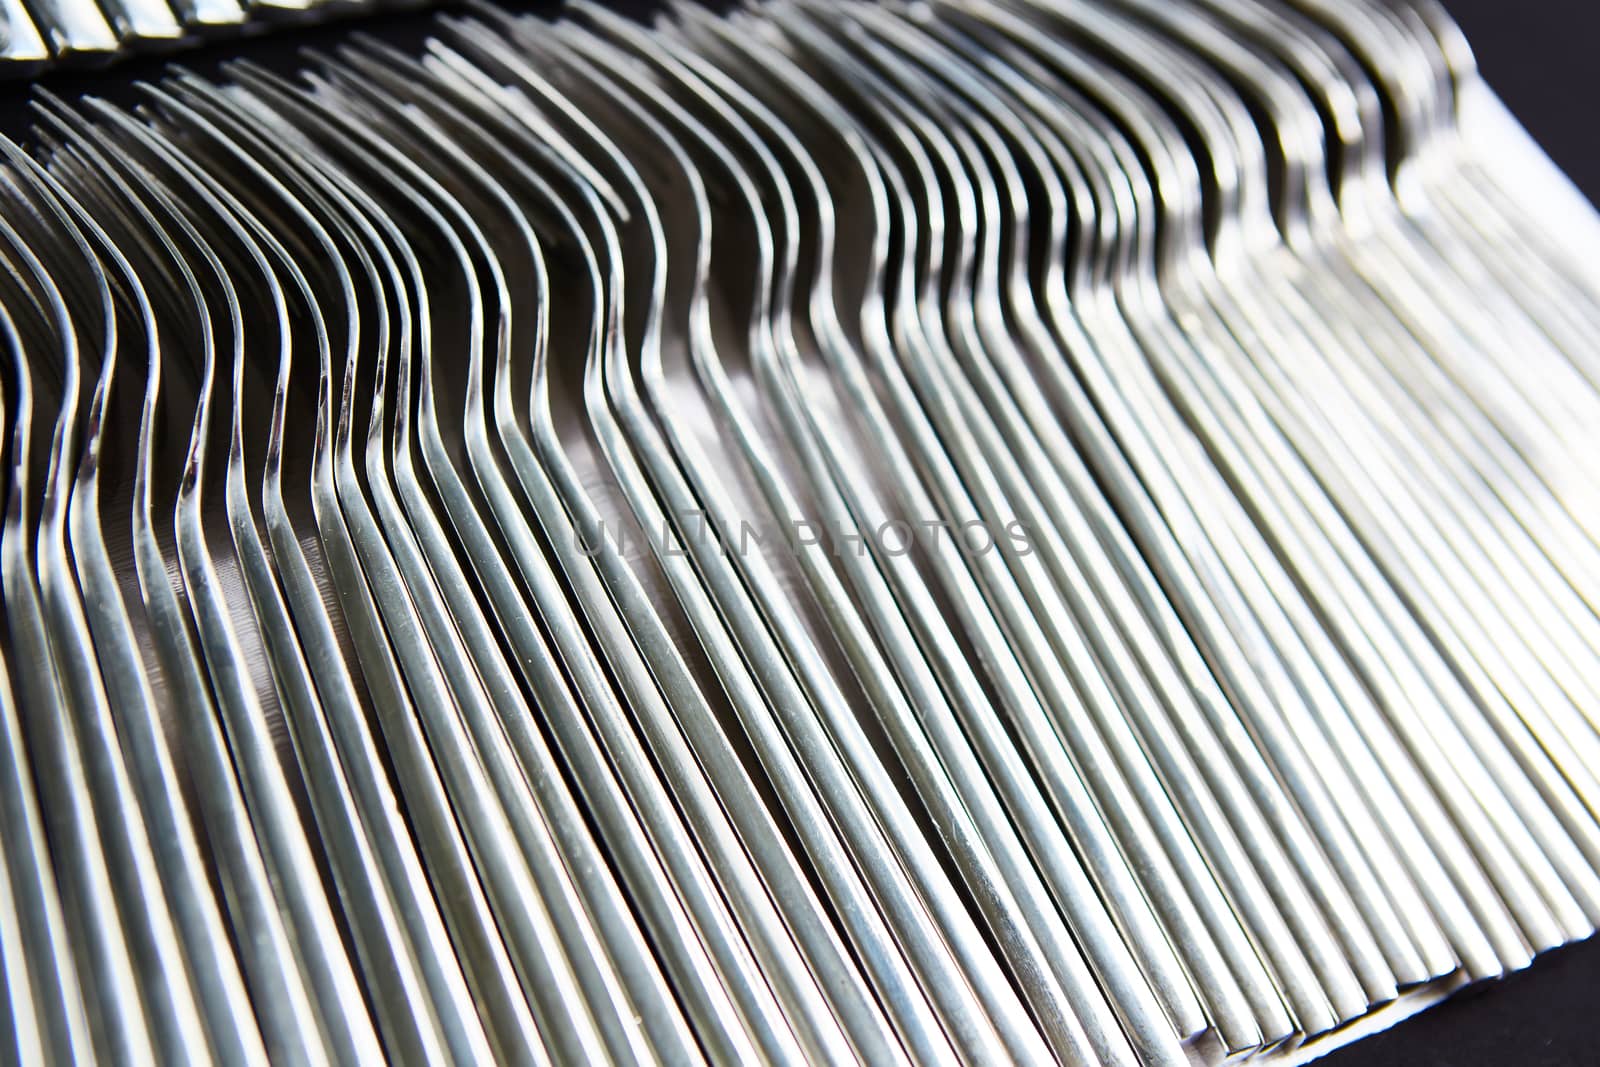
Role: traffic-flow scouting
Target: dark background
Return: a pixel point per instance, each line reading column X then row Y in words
column 1544, row 1017
column 1539, row 55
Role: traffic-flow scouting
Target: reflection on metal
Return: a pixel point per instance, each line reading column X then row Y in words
column 982, row 530
column 39, row 35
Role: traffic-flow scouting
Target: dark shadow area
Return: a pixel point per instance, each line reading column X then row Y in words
column 1539, row 56
column 1542, row 1017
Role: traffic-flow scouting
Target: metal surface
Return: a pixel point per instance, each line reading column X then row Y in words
column 983, row 531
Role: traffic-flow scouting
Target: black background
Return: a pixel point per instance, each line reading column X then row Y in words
column 1547, row 1016
column 1540, row 56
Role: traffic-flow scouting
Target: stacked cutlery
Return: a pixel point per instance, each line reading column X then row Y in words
column 959, row 531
